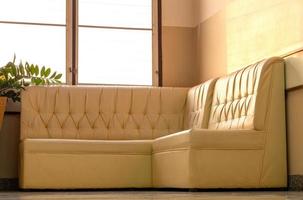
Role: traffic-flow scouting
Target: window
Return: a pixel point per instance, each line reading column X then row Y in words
column 115, row 41
column 90, row 41
column 35, row 31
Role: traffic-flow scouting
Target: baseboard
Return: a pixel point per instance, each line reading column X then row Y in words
column 8, row 184
column 295, row 182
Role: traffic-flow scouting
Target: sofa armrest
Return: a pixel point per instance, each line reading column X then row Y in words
column 227, row 139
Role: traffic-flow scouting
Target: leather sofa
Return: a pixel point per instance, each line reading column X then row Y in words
column 228, row 132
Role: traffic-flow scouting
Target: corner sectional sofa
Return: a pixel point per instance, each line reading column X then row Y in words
column 225, row 133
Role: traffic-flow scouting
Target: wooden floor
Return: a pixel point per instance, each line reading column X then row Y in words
column 138, row 195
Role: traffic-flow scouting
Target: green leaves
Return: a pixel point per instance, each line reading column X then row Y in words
column 53, row 75
column 37, row 76
column 36, row 70
column 47, row 72
column 42, row 71
column 58, row 77
column 21, row 68
column 14, row 78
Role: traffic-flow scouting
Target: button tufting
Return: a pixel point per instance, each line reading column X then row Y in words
column 68, row 114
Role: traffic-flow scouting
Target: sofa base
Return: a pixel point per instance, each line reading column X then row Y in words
column 210, row 169
column 171, row 169
column 81, row 170
column 216, row 168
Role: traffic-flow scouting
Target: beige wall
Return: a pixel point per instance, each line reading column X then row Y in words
column 211, row 47
column 242, row 34
column 208, row 8
column 179, row 57
column 269, row 28
column 211, row 34
column 194, row 41
column 294, row 70
column 180, row 13
column 179, row 43
column 295, row 131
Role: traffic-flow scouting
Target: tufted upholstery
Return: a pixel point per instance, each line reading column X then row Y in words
column 238, row 97
column 198, row 105
column 116, row 113
column 225, row 133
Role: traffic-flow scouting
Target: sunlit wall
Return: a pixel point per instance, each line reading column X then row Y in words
column 256, row 29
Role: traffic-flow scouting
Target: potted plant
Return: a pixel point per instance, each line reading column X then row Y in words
column 14, row 78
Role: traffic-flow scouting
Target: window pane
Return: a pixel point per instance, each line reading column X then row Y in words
column 42, row 45
column 117, row 13
column 38, row 11
column 112, row 56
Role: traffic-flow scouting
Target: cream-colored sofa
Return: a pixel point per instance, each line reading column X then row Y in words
column 224, row 133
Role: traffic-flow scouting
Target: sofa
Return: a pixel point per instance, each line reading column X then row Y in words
column 227, row 132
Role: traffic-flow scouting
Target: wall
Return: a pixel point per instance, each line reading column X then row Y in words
column 179, row 43
column 211, row 44
column 295, row 131
column 294, row 96
column 268, row 28
column 193, row 37
column 194, row 41
column 233, row 33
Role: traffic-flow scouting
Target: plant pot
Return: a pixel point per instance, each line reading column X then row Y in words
column 13, row 107
column 3, row 101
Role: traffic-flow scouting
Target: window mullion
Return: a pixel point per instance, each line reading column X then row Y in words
column 71, row 42
column 156, row 65
column 69, row 45
column 158, row 43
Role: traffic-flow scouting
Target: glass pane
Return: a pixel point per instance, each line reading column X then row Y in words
column 42, row 45
column 121, row 13
column 110, row 56
column 39, row 11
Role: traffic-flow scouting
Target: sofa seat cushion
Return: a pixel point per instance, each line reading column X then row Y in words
column 210, row 139
column 68, row 146
column 176, row 141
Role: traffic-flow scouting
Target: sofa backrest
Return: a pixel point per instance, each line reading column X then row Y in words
column 199, row 99
column 101, row 112
column 241, row 100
